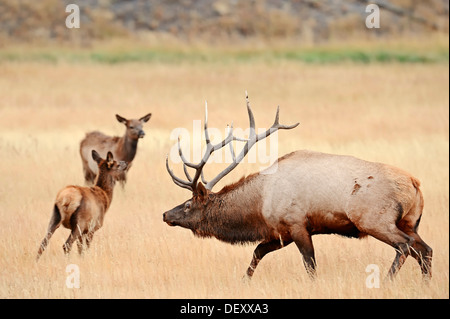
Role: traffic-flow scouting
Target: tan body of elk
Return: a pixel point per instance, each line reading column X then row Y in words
column 123, row 148
column 305, row 194
column 82, row 209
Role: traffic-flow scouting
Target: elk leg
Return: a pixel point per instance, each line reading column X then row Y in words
column 55, row 222
column 303, row 240
column 398, row 262
column 80, row 243
column 261, row 250
column 424, row 258
column 74, row 235
column 423, row 254
column 403, row 251
column 400, row 241
column 89, row 237
column 387, row 232
column 419, row 250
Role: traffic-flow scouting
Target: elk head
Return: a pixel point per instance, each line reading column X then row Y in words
column 134, row 127
column 108, row 166
column 189, row 214
column 192, row 212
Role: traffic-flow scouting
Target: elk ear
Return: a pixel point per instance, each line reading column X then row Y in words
column 146, row 118
column 201, row 190
column 96, row 157
column 109, row 158
column 121, row 119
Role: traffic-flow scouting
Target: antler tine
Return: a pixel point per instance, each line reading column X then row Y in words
column 185, row 162
column 203, row 178
column 233, row 156
column 276, row 126
column 176, row 180
column 210, row 148
column 227, row 140
column 207, row 139
column 250, row 114
column 231, row 145
column 187, row 173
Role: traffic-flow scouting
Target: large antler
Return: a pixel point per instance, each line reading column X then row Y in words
column 191, row 183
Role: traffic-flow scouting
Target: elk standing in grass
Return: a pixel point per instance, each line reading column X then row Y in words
column 307, row 193
column 123, row 148
column 82, row 209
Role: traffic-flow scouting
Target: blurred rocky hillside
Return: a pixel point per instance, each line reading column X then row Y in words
column 310, row 21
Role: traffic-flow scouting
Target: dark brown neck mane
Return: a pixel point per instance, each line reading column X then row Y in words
column 233, row 215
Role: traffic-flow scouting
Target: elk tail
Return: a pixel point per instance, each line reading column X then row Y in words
column 68, row 200
column 56, row 217
column 418, row 205
column 412, row 218
column 415, row 182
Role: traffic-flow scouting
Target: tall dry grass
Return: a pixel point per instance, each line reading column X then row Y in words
column 397, row 114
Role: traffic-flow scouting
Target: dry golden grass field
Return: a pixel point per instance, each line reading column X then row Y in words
column 387, row 112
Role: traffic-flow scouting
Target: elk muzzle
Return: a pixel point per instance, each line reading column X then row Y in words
column 174, row 216
column 166, row 219
column 141, row 134
column 123, row 165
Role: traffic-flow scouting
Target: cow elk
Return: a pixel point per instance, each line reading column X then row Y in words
column 308, row 193
column 83, row 209
column 123, row 148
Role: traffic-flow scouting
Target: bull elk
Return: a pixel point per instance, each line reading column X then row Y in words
column 123, row 148
column 308, row 193
column 83, row 209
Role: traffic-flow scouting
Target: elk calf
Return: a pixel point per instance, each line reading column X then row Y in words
column 82, row 209
column 123, row 148
column 307, row 193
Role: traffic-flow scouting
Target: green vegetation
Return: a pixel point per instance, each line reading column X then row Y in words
column 361, row 56
column 432, row 50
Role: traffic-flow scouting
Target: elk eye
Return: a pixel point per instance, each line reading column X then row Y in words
column 187, row 206
column 131, row 127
